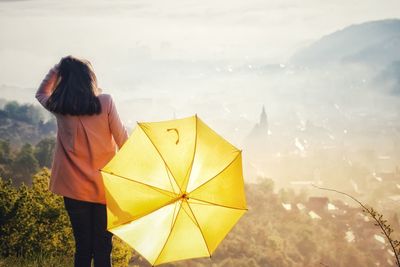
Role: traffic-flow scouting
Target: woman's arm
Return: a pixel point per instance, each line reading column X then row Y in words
column 118, row 130
column 47, row 86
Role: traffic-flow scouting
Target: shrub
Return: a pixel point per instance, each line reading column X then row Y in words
column 35, row 221
column 35, row 228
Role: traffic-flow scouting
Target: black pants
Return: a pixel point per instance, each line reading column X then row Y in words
column 92, row 240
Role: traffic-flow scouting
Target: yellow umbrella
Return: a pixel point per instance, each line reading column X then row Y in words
column 174, row 190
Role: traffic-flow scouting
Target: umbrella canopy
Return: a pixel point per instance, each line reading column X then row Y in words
column 174, row 190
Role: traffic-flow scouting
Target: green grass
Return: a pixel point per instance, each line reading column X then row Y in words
column 39, row 261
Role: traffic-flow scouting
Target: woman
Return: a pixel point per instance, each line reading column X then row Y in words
column 89, row 132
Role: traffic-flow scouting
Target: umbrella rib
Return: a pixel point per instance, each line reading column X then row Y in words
column 159, row 153
column 162, row 191
column 169, row 178
column 170, row 232
column 215, row 204
column 194, row 153
column 212, row 178
column 198, row 226
column 173, row 216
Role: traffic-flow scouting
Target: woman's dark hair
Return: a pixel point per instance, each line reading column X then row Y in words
column 76, row 93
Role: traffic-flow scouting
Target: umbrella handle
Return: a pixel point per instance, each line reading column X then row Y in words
column 177, row 133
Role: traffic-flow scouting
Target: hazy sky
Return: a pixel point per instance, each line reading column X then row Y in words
column 35, row 34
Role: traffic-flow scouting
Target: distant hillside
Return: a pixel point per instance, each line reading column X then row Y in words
column 373, row 43
column 24, row 123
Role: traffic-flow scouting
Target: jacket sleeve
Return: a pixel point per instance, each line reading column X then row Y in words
column 118, row 130
column 47, row 86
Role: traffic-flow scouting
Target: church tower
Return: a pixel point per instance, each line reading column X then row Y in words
column 260, row 130
column 263, row 124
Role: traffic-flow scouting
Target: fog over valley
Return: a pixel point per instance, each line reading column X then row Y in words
column 310, row 91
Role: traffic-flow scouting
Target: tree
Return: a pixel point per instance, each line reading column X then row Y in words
column 8, row 197
column 5, row 156
column 24, row 165
column 26, row 112
column 44, row 151
column 11, row 108
column 47, row 127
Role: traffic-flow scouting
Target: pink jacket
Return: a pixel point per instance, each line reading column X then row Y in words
column 84, row 145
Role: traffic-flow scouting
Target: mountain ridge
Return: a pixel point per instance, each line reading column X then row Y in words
column 357, row 43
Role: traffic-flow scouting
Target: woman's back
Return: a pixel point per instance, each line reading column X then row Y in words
column 85, row 143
